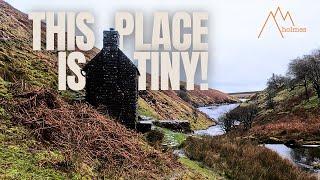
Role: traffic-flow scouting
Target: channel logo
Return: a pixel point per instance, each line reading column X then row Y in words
column 283, row 22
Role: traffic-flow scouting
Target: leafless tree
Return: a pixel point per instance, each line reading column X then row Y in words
column 227, row 123
column 276, row 81
column 299, row 69
column 314, row 71
column 274, row 84
column 244, row 114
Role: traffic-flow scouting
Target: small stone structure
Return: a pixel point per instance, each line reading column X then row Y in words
column 112, row 81
column 175, row 125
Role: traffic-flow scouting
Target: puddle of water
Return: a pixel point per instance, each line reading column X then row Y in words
column 305, row 157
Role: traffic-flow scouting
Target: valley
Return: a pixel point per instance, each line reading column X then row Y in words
column 49, row 134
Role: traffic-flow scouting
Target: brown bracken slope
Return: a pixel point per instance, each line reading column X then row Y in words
column 28, row 83
column 41, row 69
column 90, row 144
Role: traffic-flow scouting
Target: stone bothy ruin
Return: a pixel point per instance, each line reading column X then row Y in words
column 112, row 81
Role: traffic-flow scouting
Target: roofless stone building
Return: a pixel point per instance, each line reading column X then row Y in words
column 112, row 81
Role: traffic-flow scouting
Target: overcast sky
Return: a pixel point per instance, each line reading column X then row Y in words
column 238, row 60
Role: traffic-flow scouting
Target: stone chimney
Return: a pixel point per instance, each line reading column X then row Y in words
column 110, row 38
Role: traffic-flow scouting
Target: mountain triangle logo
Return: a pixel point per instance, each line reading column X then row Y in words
column 278, row 18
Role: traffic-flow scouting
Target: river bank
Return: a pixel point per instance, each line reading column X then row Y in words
column 237, row 158
column 296, row 159
column 306, row 156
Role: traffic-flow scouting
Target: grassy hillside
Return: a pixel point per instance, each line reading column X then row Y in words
column 180, row 104
column 83, row 138
column 167, row 105
column 44, row 135
column 23, row 69
column 292, row 118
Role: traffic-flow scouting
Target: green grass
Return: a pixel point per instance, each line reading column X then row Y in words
column 199, row 168
column 311, row 104
column 19, row 158
column 4, row 93
column 17, row 163
column 145, row 110
column 19, row 66
column 173, row 139
column 22, row 157
column 289, row 101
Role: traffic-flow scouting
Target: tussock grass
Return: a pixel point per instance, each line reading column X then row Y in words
column 240, row 159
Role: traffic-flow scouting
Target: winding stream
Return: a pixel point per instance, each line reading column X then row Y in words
column 305, row 157
column 215, row 112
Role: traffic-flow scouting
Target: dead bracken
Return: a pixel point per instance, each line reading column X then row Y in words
column 81, row 133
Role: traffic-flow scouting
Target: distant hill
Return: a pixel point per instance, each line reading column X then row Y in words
column 244, row 95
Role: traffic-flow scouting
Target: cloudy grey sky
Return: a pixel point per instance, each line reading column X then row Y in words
column 238, row 60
